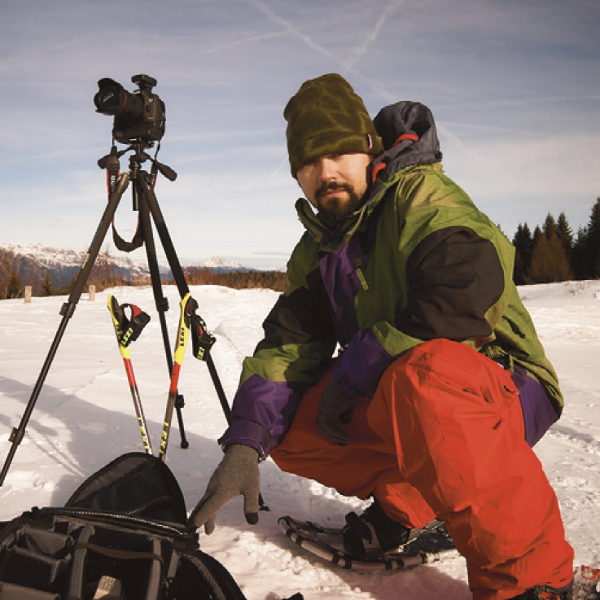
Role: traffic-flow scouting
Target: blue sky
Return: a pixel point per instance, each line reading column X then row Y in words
column 514, row 86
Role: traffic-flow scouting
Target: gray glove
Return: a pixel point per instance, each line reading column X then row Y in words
column 336, row 406
column 237, row 474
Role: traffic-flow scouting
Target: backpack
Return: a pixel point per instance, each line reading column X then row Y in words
column 121, row 536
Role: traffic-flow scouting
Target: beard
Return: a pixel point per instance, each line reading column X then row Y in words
column 332, row 211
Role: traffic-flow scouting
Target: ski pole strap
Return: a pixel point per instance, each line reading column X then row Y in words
column 132, row 327
column 202, row 339
column 128, row 328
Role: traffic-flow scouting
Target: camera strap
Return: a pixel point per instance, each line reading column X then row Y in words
column 112, row 176
column 122, row 245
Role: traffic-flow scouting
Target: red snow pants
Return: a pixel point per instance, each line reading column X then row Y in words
column 444, row 436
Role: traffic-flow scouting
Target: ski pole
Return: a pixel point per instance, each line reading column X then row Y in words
column 127, row 331
column 183, row 332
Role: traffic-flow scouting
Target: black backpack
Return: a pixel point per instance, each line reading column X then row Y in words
column 121, row 536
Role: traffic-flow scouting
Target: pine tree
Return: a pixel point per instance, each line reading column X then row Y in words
column 586, row 251
column 549, row 262
column 593, row 241
column 523, row 243
column 578, row 259
column 47, row 287
column 549, row 228
column 15, row 287
column 565, row 233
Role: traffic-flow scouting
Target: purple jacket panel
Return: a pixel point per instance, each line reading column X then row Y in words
column 364, row 360
column 338, row 270
column 338, row 273
column 362, row 364
column 263, row 413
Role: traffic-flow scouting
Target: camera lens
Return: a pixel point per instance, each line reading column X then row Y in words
column 110, row 98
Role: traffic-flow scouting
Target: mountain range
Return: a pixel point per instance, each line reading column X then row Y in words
column 35, row 260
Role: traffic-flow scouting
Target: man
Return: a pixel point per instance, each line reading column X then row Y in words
column 441, row 386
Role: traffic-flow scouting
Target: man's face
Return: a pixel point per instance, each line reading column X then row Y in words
column 335, row 184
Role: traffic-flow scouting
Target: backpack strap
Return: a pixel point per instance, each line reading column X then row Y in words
column 74, row 590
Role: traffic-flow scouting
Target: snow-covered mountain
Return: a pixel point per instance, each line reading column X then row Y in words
column 32, row 260
column 220, row 265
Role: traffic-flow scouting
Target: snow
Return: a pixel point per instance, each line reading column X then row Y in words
column 84, row 418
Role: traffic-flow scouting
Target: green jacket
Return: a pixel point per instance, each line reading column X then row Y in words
column 417, row 262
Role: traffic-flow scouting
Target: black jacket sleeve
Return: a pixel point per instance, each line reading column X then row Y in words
column 454, row 278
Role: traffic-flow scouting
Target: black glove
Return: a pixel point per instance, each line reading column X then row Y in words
column 335, row 406
column 237, row 474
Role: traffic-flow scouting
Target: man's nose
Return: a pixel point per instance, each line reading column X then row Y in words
column 327, row 169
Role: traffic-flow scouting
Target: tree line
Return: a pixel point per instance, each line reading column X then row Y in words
column 553, row 253
column 271, row 280
column 15, row 274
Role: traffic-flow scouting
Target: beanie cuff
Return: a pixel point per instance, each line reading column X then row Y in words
column 334, row 143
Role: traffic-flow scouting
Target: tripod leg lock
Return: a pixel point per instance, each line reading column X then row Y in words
column 67, row 309
column 16, row 435
column 162, row 304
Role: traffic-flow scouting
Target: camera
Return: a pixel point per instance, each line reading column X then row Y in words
column 138, row 116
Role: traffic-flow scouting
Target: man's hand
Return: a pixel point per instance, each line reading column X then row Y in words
column 335, row 406
column 237, row 474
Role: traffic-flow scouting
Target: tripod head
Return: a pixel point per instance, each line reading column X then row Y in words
column 110, row 162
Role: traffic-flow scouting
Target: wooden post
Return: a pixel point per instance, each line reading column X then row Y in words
column 92, row 290
column 27, row 294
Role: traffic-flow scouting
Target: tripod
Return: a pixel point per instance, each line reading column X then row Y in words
column 145, row 201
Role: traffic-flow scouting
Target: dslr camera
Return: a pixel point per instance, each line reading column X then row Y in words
column 138, row 116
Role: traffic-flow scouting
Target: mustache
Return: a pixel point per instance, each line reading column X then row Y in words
column 333, row 185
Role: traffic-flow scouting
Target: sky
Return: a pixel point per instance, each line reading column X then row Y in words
column 514, row 86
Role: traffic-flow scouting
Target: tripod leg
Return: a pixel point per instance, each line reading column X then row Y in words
column 159, row 299
column 66, row 312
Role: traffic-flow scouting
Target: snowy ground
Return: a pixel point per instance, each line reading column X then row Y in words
column 84, row 418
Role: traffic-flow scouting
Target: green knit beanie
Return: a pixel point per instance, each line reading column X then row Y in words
column 327, row 117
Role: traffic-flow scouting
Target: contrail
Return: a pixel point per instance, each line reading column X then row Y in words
column 246, row 40
column 289, row 27
column 347, row 65
column 361, row 50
